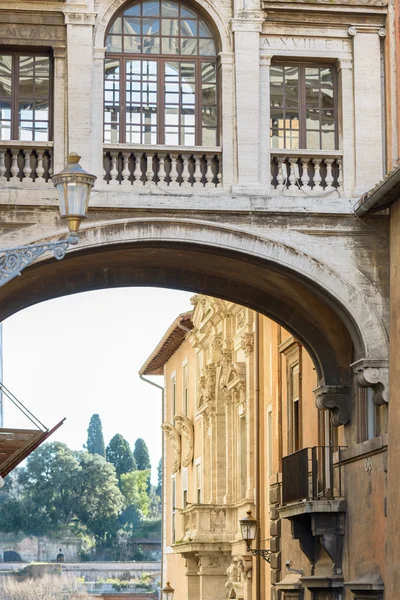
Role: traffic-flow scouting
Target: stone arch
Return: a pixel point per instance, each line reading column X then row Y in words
column 108, row 10
column 331, row 317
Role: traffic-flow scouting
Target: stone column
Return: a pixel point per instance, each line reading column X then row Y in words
column 80, row 62
column 228, row 498
column 367, row 109
column 393, row 490
column 96, row 158
column 193, row 579
column 346, row 123
column 247, row 343
column 225, row 66
column 247, row 86
column 212, row 571
column 60, row 111
column 265, row 104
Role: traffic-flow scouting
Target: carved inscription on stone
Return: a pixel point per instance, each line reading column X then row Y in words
column 304, row 43
column 31, row 32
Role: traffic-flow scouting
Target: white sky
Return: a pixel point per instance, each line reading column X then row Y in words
column 78, row 355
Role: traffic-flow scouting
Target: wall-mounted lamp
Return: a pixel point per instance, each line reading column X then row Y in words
column 248, row 528
column 167, row 593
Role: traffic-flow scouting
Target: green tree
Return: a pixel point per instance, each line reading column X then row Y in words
column 142, row 456
column 134, row 487
column 95, row 439
column 119, row 454
column 159, row 478
column 60, row 488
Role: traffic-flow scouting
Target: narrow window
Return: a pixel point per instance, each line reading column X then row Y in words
column 269, row 440
column 295, row 402
column 198, row 482
column 367, row 411
column 173, row 396
column 25, row 94
column 185, row 487
column 303, row 107
column 185, row 389
column 173, row 510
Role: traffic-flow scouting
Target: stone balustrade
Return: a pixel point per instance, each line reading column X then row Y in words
column 26, row 163
column 306, row 172
column 181, row 167
column 209, row 522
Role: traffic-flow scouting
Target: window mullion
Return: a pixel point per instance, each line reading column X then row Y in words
column 302, row 107
column 161, row 101
column 122, row 99
column 15, row 97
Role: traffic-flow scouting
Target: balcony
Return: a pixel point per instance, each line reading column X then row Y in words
column 306, row 172
column 27, row 163
column 313, row 500
column 157, row 168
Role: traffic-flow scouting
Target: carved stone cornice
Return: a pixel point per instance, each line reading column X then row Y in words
column 374, row 374
column 336, row 399
column 185, row 427
column 247, row 343
column 175, row 440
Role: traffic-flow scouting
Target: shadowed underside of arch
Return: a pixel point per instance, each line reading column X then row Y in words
column 213, row 271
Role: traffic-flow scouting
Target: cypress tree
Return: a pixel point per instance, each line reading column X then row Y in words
column 142, row 456
column 119, row 454
column 95, row 439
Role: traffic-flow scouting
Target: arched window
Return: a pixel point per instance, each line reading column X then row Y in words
column 160, row 77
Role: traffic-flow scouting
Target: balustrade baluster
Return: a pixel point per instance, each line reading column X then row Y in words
column 39, row 168
column 137, row 174
column 280, row 177
column 185, row 171
column 174, row 173
column 149, row 170
column 197, row 172
column 27, row 166
column 340, row 174
column 209, row 173
column 329, row 175
column 114, row 169
column 125, row 170
column 317, row 175
column 293, row 187
column 14, row 166
column 2, row 165
column 161, row 170
column 304, row 176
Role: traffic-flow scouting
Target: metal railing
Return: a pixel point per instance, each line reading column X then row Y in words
column 312, row 474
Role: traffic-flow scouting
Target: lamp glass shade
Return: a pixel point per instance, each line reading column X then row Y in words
column 248, row 527
column 73, row 198
column 167, row 592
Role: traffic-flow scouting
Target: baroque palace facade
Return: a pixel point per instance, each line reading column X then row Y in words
column 242, row 432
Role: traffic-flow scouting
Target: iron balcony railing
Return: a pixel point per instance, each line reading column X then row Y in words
column 312, row 474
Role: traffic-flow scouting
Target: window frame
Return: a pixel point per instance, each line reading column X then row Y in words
column 15, row 53
column 185, row 387
column 173, row 396
column 161, row 59
column 302, row 65
column 173, row 509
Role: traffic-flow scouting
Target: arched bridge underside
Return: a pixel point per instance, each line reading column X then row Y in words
column 325, row 312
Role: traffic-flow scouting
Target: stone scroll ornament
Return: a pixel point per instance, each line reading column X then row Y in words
column 185, row 428
column 175, row 440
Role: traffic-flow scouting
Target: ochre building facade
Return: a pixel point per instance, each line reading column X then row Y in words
column 243, row 432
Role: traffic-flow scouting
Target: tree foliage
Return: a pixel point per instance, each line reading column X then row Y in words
column 119, row 454
column 159, row 478
column 142, row 456
column 48, row 587
column 95, row 439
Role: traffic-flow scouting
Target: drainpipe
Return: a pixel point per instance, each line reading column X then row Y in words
column 257, row 444
column 160, row 387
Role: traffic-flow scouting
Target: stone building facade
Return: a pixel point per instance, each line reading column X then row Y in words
column 240, row 420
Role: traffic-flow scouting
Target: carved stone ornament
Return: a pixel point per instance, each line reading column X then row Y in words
column 247, row 343
column 206, row 386
column 185, row 428
column 374, row 374
column 175, row 441
column 336, row 399
column 245, row 565
column 352, row 31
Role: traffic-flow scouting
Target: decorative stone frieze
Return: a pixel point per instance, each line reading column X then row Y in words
column 247, row 343
column 336, row 399
column 175, row 440
column 375, row 375
column 185, row 427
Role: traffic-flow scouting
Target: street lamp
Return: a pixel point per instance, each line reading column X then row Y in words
column 167, row 592
column 73, row 186
column 248, row 529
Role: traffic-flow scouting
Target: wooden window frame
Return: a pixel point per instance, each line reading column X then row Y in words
column 161, row 59
column 15, row 54
column 292, row 350
column 302, row 65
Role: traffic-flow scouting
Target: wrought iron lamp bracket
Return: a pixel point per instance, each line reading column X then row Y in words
column 14, row 260
column 264, row 553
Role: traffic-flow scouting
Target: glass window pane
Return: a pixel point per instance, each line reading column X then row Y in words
column 41, row 112
column 188, row 27
column 328, row 120
column 114, row 43
column 328, row 140
column 5, row 131
column 209, row 94
column 169, row 9
column 131, row 44
column 172, row 71
column 170, row 45
column 204, row 30
column 5, row 75
column 209, row 116
column 150, row 26
column 151, row 45
column 188, row 136
column 312, row 97
column 313, row 140
column 188, row 116
column 276, row 75
column 188, row 46
column 135, row 9
column 172, row 136
column 327, row 97
column 312, row 119
column 291, row 76
column 116, row 27
column 42, row 67
column 188, row 72
column 5, row 110
column 209, row 137
column 112, row 69
column 132, row 26
column 170, row 27
column 26, row 131
column 150, row 9
column 41, row 132
column 276, row 96
column 186, row 12
column 171, row 115
column 208, row 73
column 206, row 47
column 133, row 135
